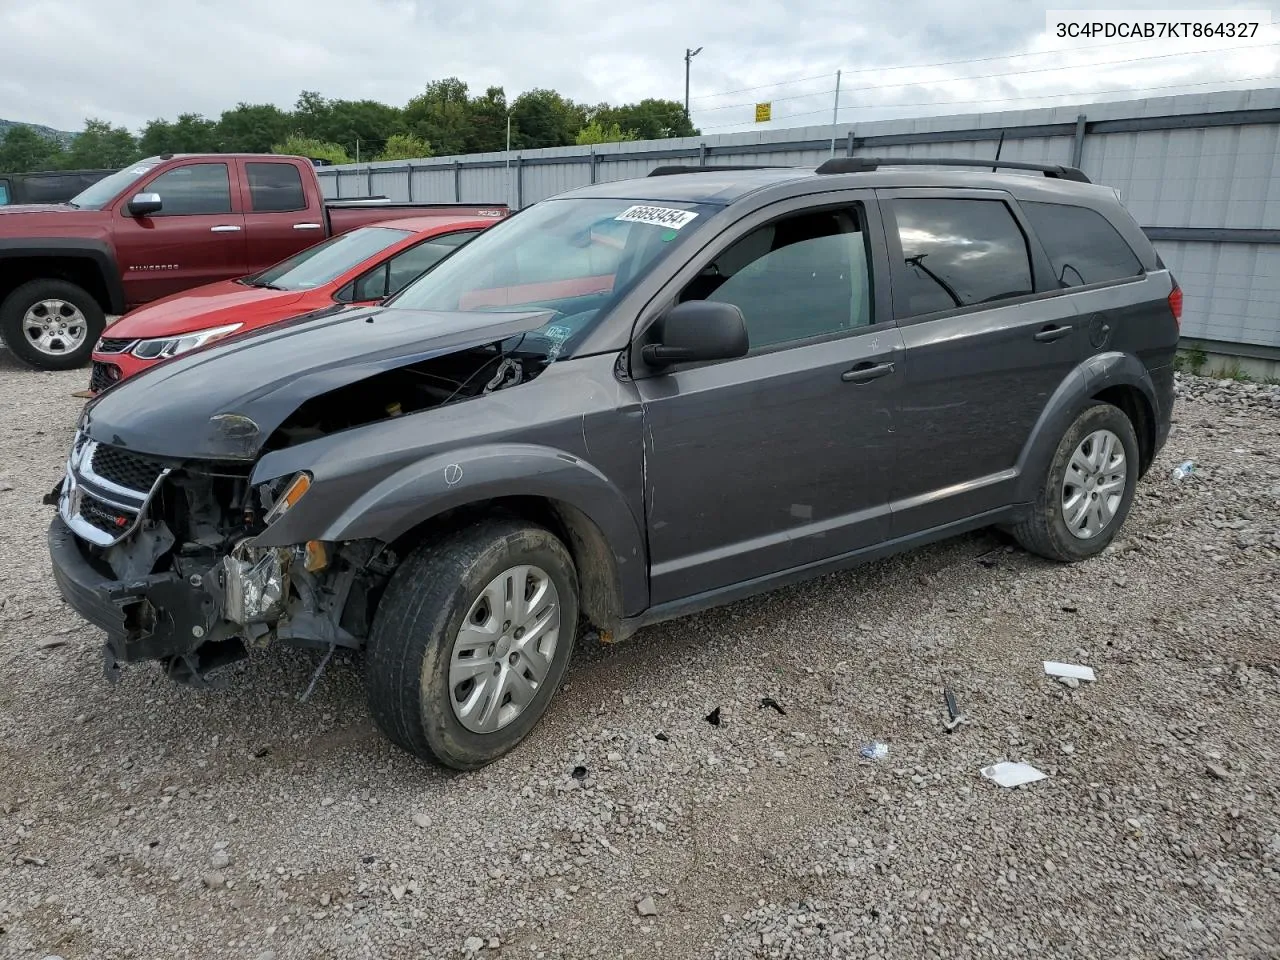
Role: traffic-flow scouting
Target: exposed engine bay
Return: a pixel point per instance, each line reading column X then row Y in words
column 177, row 537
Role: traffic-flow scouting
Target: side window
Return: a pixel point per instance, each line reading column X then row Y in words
column 956, row 253
column 4, row 193
column 199, row 188
column 274, row 187
column 411, row 263
column 799, row 277
column 1082, row 245
column 372, row 285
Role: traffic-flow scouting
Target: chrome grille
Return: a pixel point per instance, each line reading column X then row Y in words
column 126, row 469
column 106, row 491
column 109, row 345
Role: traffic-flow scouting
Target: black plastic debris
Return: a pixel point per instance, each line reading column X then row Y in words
column 1070, row 609
column 713, row 717
column 989, row 562
column 773, row 705
column 260, row 752
column 368, row 859
column 954, row 716
column 661, row 736
column 579, row 773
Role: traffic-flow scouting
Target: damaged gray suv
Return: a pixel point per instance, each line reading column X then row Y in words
column 626, row 403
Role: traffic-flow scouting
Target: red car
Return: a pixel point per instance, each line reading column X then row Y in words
column 363, row 266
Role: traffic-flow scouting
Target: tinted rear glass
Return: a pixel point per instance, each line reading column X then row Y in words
column 957, row 253
column 327, row 261
column 1082, row 244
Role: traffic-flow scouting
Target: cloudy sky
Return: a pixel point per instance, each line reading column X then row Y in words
column 128, row 61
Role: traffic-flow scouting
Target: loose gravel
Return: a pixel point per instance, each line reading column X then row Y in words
column 146, row 821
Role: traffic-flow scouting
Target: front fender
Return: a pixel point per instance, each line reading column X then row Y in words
column 1076, row 391
column 426, row 488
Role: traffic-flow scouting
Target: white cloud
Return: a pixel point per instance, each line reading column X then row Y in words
column 129, row 61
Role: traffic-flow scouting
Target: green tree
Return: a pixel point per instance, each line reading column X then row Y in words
column 252, row 128
column 441, row 116
column 596, row 132
column 299, row 146
column 24, row 150
column 100, row 145
column 545, row 119
column 191, row 133
column 404, row 146
column 487, row 131
column 359, row 125
column 650, row 119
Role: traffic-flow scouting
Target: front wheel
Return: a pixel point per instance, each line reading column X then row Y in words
column 471, row 640
column 1088, row 489
column 51, row 324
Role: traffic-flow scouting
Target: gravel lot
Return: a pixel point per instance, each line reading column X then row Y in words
column 148, row 821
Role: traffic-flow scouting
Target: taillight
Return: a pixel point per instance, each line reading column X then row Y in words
column 1175, row 303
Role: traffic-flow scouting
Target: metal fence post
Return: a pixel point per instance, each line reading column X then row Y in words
column 519, row 182
column 848, row 146
column 593, row 166
column 409, row 167
column 702, row 154
column 369, row 188
column 1078, row 150
column 337, row 184
column 457, row 181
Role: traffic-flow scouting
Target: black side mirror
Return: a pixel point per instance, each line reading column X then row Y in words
column 696, row 331
column 145, row 204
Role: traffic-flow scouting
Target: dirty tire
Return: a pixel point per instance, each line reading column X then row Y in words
column 1044, row 529
column 418, row 618
column 15, row 307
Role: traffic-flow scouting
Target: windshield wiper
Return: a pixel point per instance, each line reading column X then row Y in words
column 262, row 284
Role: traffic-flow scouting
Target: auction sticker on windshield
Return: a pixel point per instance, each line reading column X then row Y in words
column 658, row 216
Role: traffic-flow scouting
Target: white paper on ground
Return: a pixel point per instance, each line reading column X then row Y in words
column 1068, row 670
column 1012, row 774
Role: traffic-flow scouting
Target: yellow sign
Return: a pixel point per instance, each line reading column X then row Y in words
column 764, row 112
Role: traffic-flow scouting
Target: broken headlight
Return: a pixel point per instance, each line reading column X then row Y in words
column 279, row 500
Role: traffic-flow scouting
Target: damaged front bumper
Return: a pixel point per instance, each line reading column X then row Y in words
column 193, row 624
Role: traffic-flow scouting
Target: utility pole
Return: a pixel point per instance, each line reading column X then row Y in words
column 509, row 157
column 688, row 60
column 835, row 115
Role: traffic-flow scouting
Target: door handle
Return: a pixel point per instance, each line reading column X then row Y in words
column 1049, row 334
column 306, row 226
column 866, row 372
column 224, row 228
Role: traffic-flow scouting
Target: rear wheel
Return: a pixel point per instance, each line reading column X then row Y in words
column 1087, row 490
column 471, row 640
column 51, row 324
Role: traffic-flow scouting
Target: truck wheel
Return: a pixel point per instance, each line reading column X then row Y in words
column 471, row 639
column 1088, row 490
column 51, row 324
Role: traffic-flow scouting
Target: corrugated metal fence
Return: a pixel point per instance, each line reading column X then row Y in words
column 1199, row 172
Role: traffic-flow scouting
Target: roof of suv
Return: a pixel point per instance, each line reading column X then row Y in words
column 728, row 185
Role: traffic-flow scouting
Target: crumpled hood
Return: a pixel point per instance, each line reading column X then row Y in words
column 264, row 376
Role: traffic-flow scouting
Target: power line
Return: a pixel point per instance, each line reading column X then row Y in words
column 992, row 76
column 1005, row 100
column 939, row 63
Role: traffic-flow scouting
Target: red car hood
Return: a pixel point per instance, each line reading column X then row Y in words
column 214, row 305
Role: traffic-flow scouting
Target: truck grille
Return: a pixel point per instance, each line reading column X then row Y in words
column 109, row 345
column 103, row 376
column 126, row 469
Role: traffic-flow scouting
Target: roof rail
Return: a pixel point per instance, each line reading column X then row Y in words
column 867, row 164
column 669, row 171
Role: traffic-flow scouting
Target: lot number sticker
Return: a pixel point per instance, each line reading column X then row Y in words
column 658, row 216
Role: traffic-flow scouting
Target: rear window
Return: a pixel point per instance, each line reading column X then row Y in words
column 1082, row 244
column 957, row 253
column 274, row 187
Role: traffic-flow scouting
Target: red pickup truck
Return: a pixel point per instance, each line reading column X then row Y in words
column 158, row 227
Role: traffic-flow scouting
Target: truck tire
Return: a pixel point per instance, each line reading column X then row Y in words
column 470, row 641
column 1087, row 490
column 51, row 324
